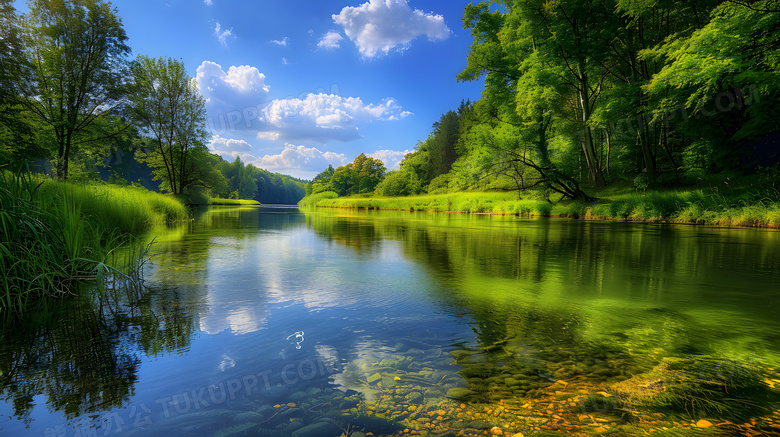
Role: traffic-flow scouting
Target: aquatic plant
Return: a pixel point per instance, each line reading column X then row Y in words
column 699, row 387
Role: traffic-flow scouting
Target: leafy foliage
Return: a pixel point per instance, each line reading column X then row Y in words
column 578, row 95
column 77, row 53
column 169, row 109
column 360, row 176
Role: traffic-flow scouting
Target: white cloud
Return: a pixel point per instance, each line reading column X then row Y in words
column 321, row 118
column 232, row 97
column 208, row 2
column 383, row 25
column 331, row 40
column 228, row 146
column 273, row 136
column 391, row 158
column 284, row 61
column 300, row 159
column 281, row 42
column 238, row 100
column 224, row 36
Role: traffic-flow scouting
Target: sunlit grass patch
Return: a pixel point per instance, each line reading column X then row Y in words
column 54, row 235
column 315, row 199
column 754, row 208
column 233, row 202
column 115, row 208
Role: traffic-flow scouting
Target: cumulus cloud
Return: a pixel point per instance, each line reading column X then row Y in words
column 284, row 42
column 300, row 159
column 383, row 25
column 223, row 35
column 226, row 146
column 331, row 40
column 321, row 118
column 208, row 2
column 237, row 99
column 229, row 93
column 391, row 158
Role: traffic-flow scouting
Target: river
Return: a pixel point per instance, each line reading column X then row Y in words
column 275, row 322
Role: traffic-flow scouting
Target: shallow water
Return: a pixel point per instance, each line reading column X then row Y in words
column 269, row 320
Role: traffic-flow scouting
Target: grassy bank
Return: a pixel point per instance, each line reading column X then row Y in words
column 750, row 207
column 455, row 202
column 54, row 236
column 114, row 208
column 232, row 202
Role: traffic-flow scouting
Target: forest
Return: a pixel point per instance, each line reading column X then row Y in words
column 586, row 99
column 74, row 106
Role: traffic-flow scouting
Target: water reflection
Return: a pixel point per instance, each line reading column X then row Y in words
column 559, row 284
column 82, row 356
column 211, row 267
column 403, row 315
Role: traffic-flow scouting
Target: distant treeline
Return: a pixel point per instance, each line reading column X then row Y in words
column 229, row 180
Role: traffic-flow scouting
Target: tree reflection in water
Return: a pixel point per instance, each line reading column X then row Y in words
column 83, row 355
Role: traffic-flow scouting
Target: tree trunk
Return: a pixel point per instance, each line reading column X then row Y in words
column 595, row 175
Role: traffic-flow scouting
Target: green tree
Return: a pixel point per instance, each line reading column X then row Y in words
column 369, row 172
column 442, row 147
column 78, row 56
column 168, row 107
column 344, row 180
column 567, row 37
column 728, row 86
column 13, row 64
column 321, row 182
column 360, row 176
column 509, row 132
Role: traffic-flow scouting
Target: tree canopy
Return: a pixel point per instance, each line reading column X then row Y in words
column 77, row 54
column 578, row 95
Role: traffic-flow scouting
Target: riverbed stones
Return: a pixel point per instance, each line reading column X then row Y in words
column 459, row 393
column 414, row 396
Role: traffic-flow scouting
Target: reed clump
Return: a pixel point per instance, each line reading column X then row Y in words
column 54, row 236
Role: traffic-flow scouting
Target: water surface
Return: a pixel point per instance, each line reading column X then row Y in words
column 271, row 321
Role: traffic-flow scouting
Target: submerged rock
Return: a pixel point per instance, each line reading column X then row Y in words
column 322, row 428
column 459, row 393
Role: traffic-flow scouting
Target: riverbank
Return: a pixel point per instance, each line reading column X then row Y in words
column 232, row 202
column 744, row 208
column 57, row 235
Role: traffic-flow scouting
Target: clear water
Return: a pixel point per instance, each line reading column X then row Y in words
column 271, row 321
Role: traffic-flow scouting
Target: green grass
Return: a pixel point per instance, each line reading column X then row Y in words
column 232, row 202
column 750, row 207
column 112, row 208
column 747, row 208
column 315, row 199
column 54, row 236
column 455, row 202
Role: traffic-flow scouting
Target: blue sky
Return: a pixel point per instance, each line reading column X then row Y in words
column 293, row 86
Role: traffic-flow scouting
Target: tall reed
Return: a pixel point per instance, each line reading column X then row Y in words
column 53, row 236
